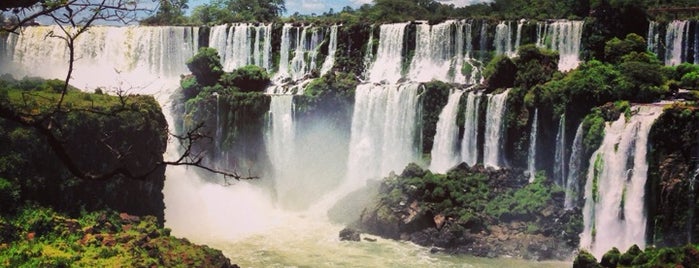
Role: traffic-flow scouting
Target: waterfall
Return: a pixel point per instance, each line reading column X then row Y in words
column 653, row 36
column 294, row 73
column 280, row 141
column 559, row 167
column 483, row 44
column 368, row 54
column 565, row 38
column 242, row 44
column 675, row 42
column 469, row 143
column 445, row 152
column 574, row 163
column 492, row 149
column 332, row 48
column 384, row 126
column 123, row 57
column 464, row 49
column 435, row 52
column 614, row 213
column 518, row 39
column 389, row 57
column 531, row 162
column 503, row 39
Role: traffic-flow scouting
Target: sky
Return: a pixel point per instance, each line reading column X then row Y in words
column 308, row 7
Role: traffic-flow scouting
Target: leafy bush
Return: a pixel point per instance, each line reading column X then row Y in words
column 500, row 73
column 250, row 78
column 9, row 195
column 206, row 66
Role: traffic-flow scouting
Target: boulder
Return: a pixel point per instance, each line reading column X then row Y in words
column 349, row 234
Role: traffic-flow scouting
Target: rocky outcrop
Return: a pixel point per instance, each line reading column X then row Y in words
column 476, row 211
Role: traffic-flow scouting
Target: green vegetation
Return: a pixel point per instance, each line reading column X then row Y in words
column 683, row 256
column 433, row 100
column 91, row 127
column 40, row 237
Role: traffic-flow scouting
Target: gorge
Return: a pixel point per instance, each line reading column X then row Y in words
column 416, row 98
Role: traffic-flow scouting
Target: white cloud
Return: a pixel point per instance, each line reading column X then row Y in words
column 361, row 2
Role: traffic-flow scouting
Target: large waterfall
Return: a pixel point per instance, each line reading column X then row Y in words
column 112, row 57
column 614, row 212
column 469, row 143
column 565, row 38
column 674, row 42
column 242, row 44
column 445, row 152
column 389, row 57
column 492, row 149
column 531, row 162
column 574, row 163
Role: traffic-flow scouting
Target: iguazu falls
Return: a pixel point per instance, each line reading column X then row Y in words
column 349, row 133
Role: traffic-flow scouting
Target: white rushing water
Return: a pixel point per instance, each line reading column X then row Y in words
column 565, row 37
column 653, row 37
column 675, row 37
column 434, row 53
column 574, row 163
column 503, row 39
column 280, row 140
column 384, row 126
column 387, row 66
column 445, row 151
column 531, row 161
column 332, row 49
column 614, row 212
column 492, row 149
column 469, row 143
column 242, row 44
column 559, row 164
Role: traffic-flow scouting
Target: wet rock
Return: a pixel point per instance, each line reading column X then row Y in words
column 439, row 220
column 128, row 219
column 349, row 234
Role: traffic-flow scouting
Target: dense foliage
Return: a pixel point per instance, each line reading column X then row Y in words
column 41, row 237
column 683, row 256
column 95, row 125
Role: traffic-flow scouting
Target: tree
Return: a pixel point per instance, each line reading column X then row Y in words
column 169, row 12
column 256, row 10
column 73, row 18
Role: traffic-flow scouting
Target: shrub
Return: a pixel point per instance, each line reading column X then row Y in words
column 248, row 78
column 206, row 66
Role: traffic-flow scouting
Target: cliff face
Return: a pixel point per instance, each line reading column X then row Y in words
column 92, row 130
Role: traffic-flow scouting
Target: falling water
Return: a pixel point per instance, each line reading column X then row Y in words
column 531, row 162
column 503, row 39
column 445, row 152
column 389, row 57
column 280, row 140
column 332, row 48
column 565, row 38
column 653, row 37
column 434, row 53
column 469, row 143
column 614, row 193
column 295, row 72
column 518, row 39
column 492, row 149
column 383, row 131
column 559, row 167
column 242, row 44
column 483, row 45
column 574, row 170
column 136, row 56
column 675, row 42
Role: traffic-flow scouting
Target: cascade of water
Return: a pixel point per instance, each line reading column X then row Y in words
column 464, row 51
column 614, row 193
column 541, row 31
column 106, row 55
column 445, row 152
column 653, row 36
column 383, row 131
column 483, row 44
column 531, row 162
column 469, row 143
column 565, row 38
column 280, row 140
column 304, row 44
column 492, row 149
column 369, row 54
column 332, row 48
column 389, row 57
column 284, row 50
column 242, row 44
column 674, row 42
column 574, row 169
column 435, row 52
column 559, row 167
column 503, row 39
column 518, row 39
